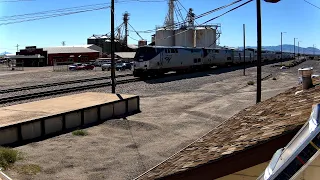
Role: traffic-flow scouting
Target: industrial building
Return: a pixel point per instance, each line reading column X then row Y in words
column 187, row 34
column 198, row 36
column 32, row 56
column 121, row 39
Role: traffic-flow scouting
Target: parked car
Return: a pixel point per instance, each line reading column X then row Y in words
column 128, row 65
column 106, row 66
column 75, row 66
column 121, row 66
column 88, row 66
column 80, row 66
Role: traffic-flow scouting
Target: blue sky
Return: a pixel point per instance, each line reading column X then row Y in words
column 295, row 17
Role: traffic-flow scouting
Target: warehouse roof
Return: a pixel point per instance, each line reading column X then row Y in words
column 69, row 49
column 246, row 139
column 126, row 55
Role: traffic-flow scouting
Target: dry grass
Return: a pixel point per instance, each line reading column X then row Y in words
column 28, row 169
column 8, row 157
column 250, row 83
column 80, row 133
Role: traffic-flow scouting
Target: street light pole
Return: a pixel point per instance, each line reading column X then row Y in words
column 299, row 50
column 244, row 49
column 281, row 47
column 112, row 49
column 259, row 49
column 294, row 47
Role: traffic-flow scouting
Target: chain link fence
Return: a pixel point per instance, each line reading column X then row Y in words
column 65, row 66
column 62, row 66
column 12, row 65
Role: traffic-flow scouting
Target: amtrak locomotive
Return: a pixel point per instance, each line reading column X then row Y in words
column 157, row 60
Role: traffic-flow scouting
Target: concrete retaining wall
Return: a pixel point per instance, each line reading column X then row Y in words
column 57, row 124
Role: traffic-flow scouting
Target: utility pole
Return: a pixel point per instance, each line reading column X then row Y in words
column 112, row 49
column 294, row 47
column 244, row 49
column 298, row 50
column 17, row 46
column 259, row 49
column 281, row 45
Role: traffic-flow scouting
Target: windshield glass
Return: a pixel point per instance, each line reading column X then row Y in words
column 144, row 53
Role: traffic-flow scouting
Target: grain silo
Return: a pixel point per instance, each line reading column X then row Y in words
column 164, row 37
column 184, row 37
column 206, row 37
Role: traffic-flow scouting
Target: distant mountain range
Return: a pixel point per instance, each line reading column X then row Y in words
column 289, row 48
column 4, row 53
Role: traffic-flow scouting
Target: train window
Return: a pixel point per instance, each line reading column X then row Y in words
column 290, row 170
column 199, row 60
column 195, row 60
column 216, row 51
column 316, row 140
column 308, row 152
column 176, row 50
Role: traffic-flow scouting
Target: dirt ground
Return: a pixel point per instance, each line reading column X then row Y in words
column 174, row 114
column 40, row 75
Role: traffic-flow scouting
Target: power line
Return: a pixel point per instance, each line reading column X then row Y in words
column 185, row 9
column 135, row 30
column 55, row 11
column 197, row 17
column 133, row 38
column 44, row 15
column 57, row 15
column 311, row 4
column 212, row 18
column 15, row 1
column 228, row 11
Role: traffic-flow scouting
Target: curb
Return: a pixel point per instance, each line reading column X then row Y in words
column 3, row 176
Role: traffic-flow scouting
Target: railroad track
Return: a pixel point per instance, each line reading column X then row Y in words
column 62, row 91
column 58, row 84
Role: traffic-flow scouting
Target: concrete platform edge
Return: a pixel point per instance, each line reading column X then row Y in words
column 57, row 124
column 3, row 176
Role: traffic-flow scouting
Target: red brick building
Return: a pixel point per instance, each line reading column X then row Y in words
column 47, row 56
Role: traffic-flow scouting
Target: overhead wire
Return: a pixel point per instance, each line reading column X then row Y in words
column 54, row 11
column 311, row 4
column 185, row 9
column 57, row 15
column 178, row 12
column 61, row 12
column 135, row 30
column 197, row 17
column 211, row 19
column 7, row 1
